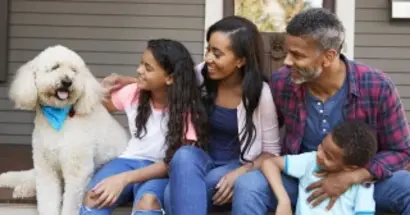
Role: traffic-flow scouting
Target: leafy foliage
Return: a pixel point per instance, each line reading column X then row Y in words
column 264, row 13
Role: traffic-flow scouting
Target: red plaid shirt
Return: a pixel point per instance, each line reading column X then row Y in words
column 372, row 98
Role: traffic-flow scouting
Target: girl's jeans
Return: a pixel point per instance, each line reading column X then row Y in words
column 193, row 176
column 136, row 191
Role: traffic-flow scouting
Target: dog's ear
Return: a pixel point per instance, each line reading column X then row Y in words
column 93, row 93
column 23, row 90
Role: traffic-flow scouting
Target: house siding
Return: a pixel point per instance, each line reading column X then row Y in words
column 384, row 44
column 110, row 35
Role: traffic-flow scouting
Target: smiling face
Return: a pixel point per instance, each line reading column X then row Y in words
column 330, row 155
column 58, row 84
column 314, row 38
column 220, row 59
column 56, row 77
column 304, row 59
column 151, row 75
column 350, row 145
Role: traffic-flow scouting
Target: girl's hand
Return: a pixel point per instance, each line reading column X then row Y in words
column 109, row 189
column 225, row 187
column 114, row 81
column 111, row 82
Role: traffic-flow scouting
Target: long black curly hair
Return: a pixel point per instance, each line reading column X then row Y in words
column 183, row 96
column 246, row 42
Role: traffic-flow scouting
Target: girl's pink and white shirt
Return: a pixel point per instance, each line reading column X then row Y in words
column 151, row 146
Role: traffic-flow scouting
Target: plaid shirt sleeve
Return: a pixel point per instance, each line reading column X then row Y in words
column 392, row 133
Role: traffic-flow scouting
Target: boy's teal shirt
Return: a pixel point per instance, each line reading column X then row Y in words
column 357, row 200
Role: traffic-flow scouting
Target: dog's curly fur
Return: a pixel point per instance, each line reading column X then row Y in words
column 64, row 160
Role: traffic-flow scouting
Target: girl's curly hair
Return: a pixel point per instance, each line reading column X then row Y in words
column 183, row 96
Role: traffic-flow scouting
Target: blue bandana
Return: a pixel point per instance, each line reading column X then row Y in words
column 56, row 116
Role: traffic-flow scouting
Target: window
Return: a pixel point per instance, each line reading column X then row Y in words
column 4, row 7
column 272, row 16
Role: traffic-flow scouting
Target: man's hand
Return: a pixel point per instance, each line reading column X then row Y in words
column 331, row 186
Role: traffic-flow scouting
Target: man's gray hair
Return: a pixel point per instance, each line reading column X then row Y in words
column 321, row 25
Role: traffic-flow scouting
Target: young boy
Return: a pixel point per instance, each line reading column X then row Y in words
column 348, row 146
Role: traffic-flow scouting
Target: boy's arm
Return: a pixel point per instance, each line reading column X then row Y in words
column 292, row 165
column 272, row 168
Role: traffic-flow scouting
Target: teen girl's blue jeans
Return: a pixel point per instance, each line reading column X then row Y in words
column 193, row 176
column 134, row 192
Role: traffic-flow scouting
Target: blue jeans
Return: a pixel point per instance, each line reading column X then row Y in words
column 193, row 176
column 136, row 191
column 253, row 194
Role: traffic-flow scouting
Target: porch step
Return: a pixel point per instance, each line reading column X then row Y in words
column 19, row 157
column 30, row 209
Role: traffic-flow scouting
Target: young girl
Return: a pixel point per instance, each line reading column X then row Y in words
column 164, row 112
column 242, row 119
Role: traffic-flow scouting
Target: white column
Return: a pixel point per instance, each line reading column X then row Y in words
column 345, row 10
column 213, row 13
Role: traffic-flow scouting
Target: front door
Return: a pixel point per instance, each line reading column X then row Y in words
column 271, row 17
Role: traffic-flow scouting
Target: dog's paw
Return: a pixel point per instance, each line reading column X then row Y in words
column 24, row 191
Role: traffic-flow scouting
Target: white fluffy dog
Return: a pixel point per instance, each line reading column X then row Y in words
column 66, row 158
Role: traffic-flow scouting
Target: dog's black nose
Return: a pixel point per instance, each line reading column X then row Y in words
column 66, row 82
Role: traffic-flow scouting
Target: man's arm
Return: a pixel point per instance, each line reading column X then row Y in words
column 361, row 175
column 393, row 135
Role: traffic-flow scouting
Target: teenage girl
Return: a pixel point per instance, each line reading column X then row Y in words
column 243, row 124
column 164, row 112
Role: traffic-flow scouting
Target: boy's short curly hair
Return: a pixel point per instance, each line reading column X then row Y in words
column 358, row 141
